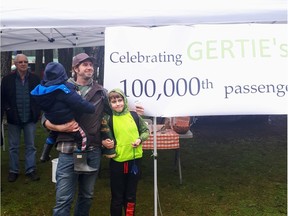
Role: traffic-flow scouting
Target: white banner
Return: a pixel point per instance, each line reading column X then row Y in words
column 200, row 70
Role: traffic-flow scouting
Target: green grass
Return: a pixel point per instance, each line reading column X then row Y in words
column 228, row 169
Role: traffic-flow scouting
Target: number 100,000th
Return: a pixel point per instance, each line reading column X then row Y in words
column 170, row 88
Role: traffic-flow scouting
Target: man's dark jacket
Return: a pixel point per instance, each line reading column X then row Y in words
column 8, row 98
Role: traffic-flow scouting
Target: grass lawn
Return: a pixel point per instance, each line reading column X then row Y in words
column 228, row 168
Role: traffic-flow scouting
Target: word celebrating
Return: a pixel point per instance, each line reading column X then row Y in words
column 169, row 87
column 232, row 49
column 279, row 89
column 127, row 57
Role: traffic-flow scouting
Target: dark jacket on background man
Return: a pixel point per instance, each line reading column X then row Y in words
column 8, row 98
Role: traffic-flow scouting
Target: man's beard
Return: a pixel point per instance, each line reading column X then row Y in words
column 88, row 77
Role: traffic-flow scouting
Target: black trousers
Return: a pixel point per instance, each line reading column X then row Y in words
column 123, row 184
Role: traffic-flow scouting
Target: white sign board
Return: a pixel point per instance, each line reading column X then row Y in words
column 200, row 70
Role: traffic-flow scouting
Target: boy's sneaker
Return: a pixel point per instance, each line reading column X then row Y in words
column 108, row 153
column 33, row 176
column 12, row 177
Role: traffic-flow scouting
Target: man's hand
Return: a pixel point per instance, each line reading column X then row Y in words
column 71, row 126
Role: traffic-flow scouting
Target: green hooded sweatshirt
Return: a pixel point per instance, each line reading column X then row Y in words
column 124, row 131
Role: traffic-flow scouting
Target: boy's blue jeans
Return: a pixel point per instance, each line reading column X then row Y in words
column 67, row 182
column 14, row 136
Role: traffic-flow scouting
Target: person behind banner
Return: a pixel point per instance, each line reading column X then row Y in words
column 125, row 130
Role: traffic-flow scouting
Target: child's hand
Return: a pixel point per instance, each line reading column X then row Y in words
column 136, row 143
column 108, row 143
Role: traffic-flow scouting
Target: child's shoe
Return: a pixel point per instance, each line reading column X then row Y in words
column 45, row 156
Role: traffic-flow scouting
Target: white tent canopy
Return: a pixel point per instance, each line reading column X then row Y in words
column 32, row 25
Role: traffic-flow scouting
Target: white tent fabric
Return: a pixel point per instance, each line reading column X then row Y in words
column 32, row 25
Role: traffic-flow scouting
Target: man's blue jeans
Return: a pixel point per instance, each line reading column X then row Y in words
column 67, row 181
column 14, row 136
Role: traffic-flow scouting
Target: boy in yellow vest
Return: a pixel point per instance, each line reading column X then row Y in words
column 125, row 131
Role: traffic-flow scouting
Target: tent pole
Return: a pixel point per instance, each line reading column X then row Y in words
column 155, row 164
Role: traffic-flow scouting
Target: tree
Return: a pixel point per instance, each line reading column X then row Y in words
column 65, row 58
column 39, row 63
column 100, row 63
column 48, row 55
column 6, row 60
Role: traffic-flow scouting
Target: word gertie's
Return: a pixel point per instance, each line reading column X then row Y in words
column 127, row 57
column 235, row 49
